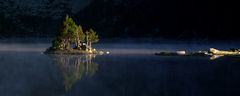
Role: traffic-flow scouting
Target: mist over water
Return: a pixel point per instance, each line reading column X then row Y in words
column 24, row 47
column 131, row 69
column 125, row 46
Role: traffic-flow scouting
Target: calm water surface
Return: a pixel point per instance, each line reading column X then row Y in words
column 128, row 71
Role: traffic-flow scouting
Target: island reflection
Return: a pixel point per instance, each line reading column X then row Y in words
column 75, row 67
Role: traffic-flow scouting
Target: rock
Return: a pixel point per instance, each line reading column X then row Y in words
column 181, row 52
column 101, row 52
column 220, row 52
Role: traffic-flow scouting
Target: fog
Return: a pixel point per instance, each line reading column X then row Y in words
column 23, row 47
column 121, row 48
column 125, row 47
column 130, row 66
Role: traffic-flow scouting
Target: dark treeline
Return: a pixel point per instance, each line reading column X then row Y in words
column 171, row 19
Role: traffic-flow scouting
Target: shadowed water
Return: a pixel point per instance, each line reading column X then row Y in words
column 130, row 70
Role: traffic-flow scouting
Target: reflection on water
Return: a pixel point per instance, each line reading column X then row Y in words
column 27, row 73
column 74, row 67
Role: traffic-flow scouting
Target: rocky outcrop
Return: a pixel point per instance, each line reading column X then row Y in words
column 220, row 52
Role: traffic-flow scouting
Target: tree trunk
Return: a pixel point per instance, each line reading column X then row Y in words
column 90, row 45
column 78, row 43
column 67, row 43
column 87, row 45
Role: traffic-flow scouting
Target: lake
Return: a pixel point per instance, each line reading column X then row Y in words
column 129, row 70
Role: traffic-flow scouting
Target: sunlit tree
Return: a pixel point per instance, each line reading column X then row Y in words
column 91, row 37
column 68, row 33
column 80, row 37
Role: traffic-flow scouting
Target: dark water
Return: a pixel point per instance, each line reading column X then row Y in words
column 30, row 73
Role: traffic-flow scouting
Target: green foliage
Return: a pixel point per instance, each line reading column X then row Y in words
column 92, row 36
column 72, row 33
column 57, row 43
column 69, row 29
column 80, row 33
column 68, row 33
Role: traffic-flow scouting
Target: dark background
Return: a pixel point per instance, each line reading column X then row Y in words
column 166, row 19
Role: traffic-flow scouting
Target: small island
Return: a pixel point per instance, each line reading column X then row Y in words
column 71, row 34
column 212, row 52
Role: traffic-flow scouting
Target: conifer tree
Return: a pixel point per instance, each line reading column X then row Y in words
column 92, row 37
column 72, row 33
column 66, row 35
column 80, row 37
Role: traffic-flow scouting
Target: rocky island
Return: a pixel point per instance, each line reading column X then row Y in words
column 71, row 34
column 212, row 52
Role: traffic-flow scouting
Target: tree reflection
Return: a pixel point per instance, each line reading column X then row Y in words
column 74, row 67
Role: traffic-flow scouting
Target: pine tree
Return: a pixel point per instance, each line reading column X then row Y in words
column 80, row 37
column 92, row 37
column 68, row 34
column 72, row 33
